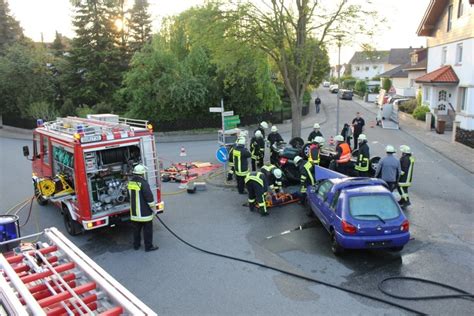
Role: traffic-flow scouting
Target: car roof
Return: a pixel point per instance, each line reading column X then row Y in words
column 367, row 189
column 361, row 184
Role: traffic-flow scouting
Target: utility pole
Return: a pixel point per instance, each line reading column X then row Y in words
column 339, row 38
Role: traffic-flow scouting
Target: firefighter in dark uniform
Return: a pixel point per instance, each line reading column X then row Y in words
column 257, row 150
column 363, row 159
column 240, row 156
column 315, row 132
column 142, row 209
column 307, row 175
column 407, row 162
column 343, row 155
column 257, row 187
column 274, row 177
column 274, row 138
column 230, row 172
column 262, row 127
column 314, row 150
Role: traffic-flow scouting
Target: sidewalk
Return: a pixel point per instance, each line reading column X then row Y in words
column 458, row 153
column 186, row 136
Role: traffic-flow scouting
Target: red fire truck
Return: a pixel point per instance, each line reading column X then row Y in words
column 82, row 165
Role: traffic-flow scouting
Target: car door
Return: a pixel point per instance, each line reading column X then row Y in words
column 321, row 204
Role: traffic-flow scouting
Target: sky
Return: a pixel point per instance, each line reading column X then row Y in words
column 39, row 17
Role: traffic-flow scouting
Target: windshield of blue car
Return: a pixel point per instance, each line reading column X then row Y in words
column 382, row 206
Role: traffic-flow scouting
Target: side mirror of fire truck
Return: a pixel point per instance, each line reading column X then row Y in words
column 26, row 151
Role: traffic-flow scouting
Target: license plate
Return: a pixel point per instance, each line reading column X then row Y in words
column 375, row 244
column 90, row 138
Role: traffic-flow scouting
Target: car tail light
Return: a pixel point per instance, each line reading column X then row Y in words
column 405, row 226
column 283, row 161
column 348, row 228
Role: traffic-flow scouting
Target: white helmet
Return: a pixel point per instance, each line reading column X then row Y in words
column 240, row 141
column 339, row 138
column 362, row 137
column 316, row 125
column 139, row 169
column 264, row 124
column 297, row 160
column 405, row 149
column 258, row 134
column 318, row 139
column 321, row 142
column 274, row 128
column 390, row 149
column 277, row 173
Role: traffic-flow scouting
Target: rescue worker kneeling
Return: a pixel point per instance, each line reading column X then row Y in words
column 274, row 177
column 142, row 209
column 257, row 187
column 307, row 175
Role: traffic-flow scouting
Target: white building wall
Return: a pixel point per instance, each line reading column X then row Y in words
column 367, row 74
column 465, row 73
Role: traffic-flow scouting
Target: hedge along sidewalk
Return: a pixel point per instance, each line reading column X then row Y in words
column 458, row 153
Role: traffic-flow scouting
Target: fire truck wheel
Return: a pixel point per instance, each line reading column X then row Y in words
column 41, row 201
column 165, row 178
column 72, row 227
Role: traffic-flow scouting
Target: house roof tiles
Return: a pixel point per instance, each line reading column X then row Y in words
column 397, row 72
column 444, row 74
column 373, row 57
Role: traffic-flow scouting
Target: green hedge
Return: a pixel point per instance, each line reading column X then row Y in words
column 420, row 112
column 408, row 106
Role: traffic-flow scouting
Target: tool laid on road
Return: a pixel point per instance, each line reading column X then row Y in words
column 185, row 172
column 55, row 277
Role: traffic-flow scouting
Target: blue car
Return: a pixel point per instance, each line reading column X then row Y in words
column 358, row 213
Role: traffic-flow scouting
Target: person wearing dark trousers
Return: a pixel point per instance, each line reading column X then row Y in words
column 346, row 133
column 407, row 162
column 343, row 155
column 307, row 175
column 358, row 125
column 389, row 168
column 257, row 150
column 274, row 138
column 317, row 103
column 363, row 158
column 142, row 209
column 274, row 177
column 257, row 187
column 315, row 132
column 240, row 156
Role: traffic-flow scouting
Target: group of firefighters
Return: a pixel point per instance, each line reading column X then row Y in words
column 397, row 173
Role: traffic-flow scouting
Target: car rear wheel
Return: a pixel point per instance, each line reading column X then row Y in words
column 72, row 227
column 41, row 201
column 335, row 247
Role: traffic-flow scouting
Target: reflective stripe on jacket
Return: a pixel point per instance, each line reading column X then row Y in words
column 240, row 157
column 346, row 153
column 407, row 175
column 141, row 200
column 259, row 178
column 363, row 160
column 313, row 155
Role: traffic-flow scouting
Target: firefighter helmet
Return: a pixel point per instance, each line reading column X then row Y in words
column 339, row 138
column 258, row 134
column 241, row 141
column 316, row 126
column 274, row 129
column 405, row 149
column 139, row 169
column 277, row 173
column 297, row 160
column 389, row 149
column 318, row 139
column 264, row 124
column 362, row 138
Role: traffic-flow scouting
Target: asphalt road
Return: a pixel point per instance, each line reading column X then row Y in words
column 177, row 280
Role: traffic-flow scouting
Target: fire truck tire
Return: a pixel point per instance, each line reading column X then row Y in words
column 165, row 178
column 72, row 227
column 41, row 201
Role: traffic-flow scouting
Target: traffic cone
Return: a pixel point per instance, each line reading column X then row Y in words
column 183, row 152
column 331, row 140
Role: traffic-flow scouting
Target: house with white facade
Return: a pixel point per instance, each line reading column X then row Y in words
column 416, row 67
column 448, row 85
column 399, row 58
column 366, row 65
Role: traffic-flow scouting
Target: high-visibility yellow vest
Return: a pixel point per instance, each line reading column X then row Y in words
column 362, row 164
column 407, row 183
column 135, row 204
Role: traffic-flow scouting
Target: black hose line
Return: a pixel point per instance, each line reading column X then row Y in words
column 381, row 300
column 463, row 294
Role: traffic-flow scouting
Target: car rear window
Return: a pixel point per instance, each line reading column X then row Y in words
column 381, row 206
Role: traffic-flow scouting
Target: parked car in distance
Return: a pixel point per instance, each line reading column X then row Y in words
column 334, row 88
column 358, row 213
column 345, row 94
column 326, row 84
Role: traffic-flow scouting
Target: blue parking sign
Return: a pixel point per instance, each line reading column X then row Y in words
column 222, row 155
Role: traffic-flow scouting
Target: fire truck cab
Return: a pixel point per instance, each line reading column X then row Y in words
column 82, row 166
